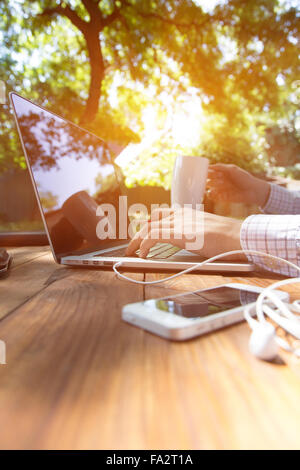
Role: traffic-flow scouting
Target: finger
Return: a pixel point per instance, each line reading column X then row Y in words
column 147, row 244
column 154, row 237
column 216, row 194
column 217, row 183
column 134, row 245
column 160, row 213
column 136, row 240
column 216, row 176
column 218, row 188
column 222, row 167
column 225, row 195
column 213, row 195
column 214, row 171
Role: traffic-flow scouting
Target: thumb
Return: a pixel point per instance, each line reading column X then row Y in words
column 226, row 168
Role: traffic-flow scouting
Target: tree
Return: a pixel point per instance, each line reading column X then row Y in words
column 283, row 145
column 144, row 35
column 117, row 30
column 232, row 54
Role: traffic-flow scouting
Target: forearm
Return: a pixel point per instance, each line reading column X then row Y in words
column 277, row 235
column 260, row 193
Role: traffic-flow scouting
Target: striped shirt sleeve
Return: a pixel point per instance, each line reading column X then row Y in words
column 282, row 201
column 277, row 235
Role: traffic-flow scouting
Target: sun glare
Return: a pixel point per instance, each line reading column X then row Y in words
column 178, row 119
column 188, row 123
column 184, row 122
column 184, row 126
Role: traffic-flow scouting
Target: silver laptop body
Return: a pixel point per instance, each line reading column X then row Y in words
column 72, row 172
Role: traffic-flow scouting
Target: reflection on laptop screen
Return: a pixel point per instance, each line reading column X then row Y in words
column 73, row 174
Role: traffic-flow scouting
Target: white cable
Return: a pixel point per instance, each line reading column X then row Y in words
column 265, row 293
column 248, row 316
column 197, row 265
column 296, row 306
column 261, row 308
column 281, row 307
column 284, row 313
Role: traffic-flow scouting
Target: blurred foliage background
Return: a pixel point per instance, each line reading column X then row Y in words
column 219, row 78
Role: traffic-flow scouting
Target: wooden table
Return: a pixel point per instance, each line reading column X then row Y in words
column 78, row 377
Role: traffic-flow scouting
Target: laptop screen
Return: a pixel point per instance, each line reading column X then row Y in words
column 73, row 174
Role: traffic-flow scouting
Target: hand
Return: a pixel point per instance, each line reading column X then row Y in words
column 200, row 232
column 232, row 184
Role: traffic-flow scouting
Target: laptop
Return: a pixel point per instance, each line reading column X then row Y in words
column 73, row 174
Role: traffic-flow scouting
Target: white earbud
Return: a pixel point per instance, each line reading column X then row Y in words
column 262, row 343
column 263, row 340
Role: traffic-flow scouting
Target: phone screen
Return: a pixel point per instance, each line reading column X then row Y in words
column 204, row 303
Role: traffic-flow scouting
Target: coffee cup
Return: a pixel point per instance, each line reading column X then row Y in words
column 189, row 181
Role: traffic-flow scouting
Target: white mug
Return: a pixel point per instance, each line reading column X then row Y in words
column 189, row 180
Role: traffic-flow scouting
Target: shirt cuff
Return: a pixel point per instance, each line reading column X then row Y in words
column 276, row 235
column 280, row 201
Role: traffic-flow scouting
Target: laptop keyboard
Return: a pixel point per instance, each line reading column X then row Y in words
column 159, row 251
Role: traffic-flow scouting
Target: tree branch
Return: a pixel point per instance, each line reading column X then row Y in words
column 113, row 16
column 69, row 13
column 131, row 66
column 93, row 10
column 169, row 21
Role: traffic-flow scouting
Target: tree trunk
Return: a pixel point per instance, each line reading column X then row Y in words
column 97, row 75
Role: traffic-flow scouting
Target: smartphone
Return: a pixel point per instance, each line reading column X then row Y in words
column 184, row 316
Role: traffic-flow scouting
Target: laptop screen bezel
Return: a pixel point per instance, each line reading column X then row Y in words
column 106, row 243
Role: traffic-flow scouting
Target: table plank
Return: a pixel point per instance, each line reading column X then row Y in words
column 78, row 377
column 28, row 275
column 244, row 395
column 68, row 354
column 189, row 282
column 26, row 254
column 192, row 282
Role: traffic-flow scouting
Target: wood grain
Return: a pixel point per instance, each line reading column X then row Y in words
column 78, row 377
column 25, row 254
column 25, row 277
